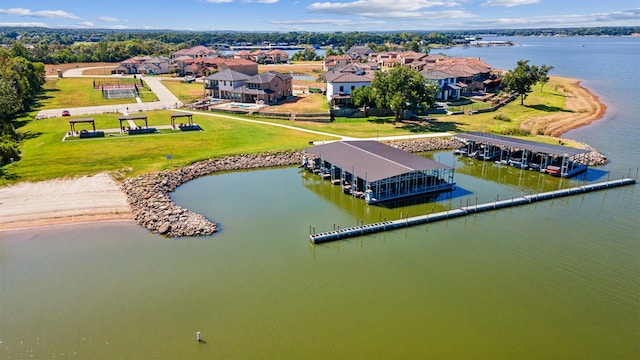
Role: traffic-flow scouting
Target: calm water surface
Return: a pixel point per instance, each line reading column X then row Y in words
column 557, row 279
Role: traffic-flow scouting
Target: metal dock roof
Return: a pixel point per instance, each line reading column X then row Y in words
column 372, row 160
column 521, row 144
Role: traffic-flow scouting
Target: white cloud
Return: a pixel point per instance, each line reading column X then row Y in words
column 392, row 9
column 108, row 19
column 314, row 22
column 87, row 24
column 264, row 1
column 40, row 13
column 617, row 18
column 509, row 3
column 23, row 24
column 377, row 6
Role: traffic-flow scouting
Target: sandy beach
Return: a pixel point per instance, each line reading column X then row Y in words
column 99, row 198
column 62, row 201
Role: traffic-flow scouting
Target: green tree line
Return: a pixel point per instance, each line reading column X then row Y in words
column 21, row 82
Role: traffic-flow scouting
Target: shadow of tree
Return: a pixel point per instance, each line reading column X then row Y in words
column 6, row 173
column 547, row 108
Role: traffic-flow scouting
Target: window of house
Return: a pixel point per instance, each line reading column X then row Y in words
column 353, row 87
column 341, row 88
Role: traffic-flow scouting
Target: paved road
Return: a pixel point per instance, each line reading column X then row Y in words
column 166, row 99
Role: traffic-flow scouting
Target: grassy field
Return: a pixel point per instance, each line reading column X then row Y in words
column 45, row 156
column 185, row 92
column 78, row 92
column 309, row 104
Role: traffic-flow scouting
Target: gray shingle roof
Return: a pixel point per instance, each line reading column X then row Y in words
column 521, row 144
column 372, row 160
column 228, row 75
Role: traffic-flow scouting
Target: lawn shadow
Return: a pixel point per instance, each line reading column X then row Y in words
column 547, row 108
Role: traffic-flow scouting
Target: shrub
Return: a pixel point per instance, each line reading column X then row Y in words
column 502, row 117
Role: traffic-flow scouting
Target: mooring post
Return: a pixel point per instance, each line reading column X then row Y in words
column 198, row 338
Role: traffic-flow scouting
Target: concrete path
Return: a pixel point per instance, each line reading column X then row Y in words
column 339, row 137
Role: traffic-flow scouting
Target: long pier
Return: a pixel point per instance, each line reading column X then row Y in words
column 317, row 238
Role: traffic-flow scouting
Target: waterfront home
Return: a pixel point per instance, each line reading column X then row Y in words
column 195, row 52
column 223, row 83
column 205, row 66
column 335, row 61
column 359, row 53
column 268, row 87
column 341, row 82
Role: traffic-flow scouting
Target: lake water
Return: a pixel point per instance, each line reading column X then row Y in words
column 557, row 279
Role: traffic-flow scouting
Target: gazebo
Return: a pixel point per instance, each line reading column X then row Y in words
column 184, row 127
column 84, row 133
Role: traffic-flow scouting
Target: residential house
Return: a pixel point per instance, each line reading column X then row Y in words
column 455, row 75
column 195, row 52
column 276, row 57
column 143, row 65
column 223, row 83
column 335, row 61
column 268, row 87
column 449, row 89
column 341, row 82
column 470, row 72
column 359, row 53
column 205, row 66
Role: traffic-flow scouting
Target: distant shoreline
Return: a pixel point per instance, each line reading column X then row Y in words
column 98, row 198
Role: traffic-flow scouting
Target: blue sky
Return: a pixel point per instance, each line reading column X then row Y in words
column 322, row 15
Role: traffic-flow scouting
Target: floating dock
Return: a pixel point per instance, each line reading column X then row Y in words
column 350, row 232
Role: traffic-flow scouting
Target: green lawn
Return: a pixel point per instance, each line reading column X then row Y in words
column 185, row 92
column 45, row 156
column 78, row 92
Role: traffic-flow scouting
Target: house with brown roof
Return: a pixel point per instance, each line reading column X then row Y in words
column 268, row 87
column 143, row 65
column 195, row 52
column 205, row 66
column 336, row 61
column 359, row 53
column 276, row 57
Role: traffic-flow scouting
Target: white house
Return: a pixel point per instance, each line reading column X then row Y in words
column 342, row 81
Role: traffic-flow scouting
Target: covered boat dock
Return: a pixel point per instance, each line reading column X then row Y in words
column 378, row 172
column 553, row 159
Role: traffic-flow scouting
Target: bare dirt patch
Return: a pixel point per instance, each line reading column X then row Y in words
column 51, row 69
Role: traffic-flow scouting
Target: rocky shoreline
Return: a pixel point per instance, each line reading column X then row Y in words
column 151, row 205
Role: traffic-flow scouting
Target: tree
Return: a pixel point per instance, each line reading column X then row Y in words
column 364, row 96
column 402, row 89
column 543, row 75
column 522, row 78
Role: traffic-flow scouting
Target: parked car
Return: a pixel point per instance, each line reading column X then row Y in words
column 66, row 113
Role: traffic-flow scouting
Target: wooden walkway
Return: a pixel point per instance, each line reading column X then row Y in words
column 317, row 238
